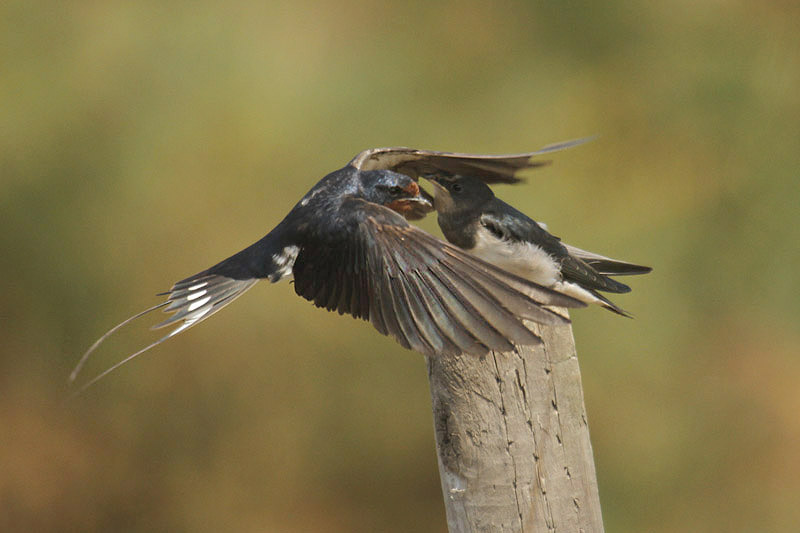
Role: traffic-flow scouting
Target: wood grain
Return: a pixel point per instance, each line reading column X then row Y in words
column 513, row 440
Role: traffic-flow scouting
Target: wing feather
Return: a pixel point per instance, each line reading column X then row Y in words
column 427, row 294
column 459, row 337
column 391, row 315
column 461, row 311
column 437, row 339
column 490, row 168
column 606, row 265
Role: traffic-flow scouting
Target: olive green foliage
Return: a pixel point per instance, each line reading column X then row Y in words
column 141, row 142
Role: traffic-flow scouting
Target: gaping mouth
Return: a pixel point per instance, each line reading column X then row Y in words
column 417, row 206
column 412, row 189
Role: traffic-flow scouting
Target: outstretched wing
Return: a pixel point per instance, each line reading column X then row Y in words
column 427, row 294
column 489, row 168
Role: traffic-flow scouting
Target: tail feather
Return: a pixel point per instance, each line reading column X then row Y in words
column 191, row 300
column 197, row 297
column 589, row 296
column 606, row 265
column 611, row 306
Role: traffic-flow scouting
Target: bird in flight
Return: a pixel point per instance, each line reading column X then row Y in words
column 474, row 219
column 348, row 247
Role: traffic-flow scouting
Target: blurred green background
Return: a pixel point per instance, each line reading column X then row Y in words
column 141, row 142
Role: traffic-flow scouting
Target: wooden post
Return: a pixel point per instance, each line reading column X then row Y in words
column 513, row 441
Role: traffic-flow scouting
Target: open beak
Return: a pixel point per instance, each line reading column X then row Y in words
column 415, row 207
column 443, row 202
column 438, row 187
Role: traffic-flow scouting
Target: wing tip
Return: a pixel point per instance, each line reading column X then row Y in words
column 360, row 160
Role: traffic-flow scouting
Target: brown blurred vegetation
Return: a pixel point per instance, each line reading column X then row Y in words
column 144, row 141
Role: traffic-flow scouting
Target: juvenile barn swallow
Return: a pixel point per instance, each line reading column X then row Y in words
column 349, row 248
column 474, row 219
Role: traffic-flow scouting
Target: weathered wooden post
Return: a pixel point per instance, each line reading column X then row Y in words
column 513, row 441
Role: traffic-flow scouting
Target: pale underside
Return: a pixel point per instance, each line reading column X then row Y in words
column 527, row 261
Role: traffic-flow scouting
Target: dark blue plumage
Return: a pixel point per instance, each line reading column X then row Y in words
column 349, row 248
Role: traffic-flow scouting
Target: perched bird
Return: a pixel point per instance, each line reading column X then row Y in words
column 349, row 249
column 474, row 219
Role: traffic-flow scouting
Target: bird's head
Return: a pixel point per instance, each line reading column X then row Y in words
column 396, row 191
column 454, row 194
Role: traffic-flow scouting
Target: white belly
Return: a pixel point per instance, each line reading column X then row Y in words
column 526, row 260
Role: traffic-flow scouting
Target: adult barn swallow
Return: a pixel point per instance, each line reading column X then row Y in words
column 474, row 219
column 349, row 248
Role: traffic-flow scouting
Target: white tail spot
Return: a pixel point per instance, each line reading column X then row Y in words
column 199, row 303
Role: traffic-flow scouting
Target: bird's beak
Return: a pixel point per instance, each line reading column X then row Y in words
column 414, row 207
column 443, row 201
column 436, row 185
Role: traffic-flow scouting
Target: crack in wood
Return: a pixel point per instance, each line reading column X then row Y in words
column 531, row 471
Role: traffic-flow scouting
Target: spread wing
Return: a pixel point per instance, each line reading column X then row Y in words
column 489, row 168
column 429, row 295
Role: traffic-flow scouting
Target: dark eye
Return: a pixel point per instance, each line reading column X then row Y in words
column 395, row 191
column 456, row 187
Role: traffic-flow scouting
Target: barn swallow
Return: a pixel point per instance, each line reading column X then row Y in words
column 474, row 219
column 349, row 248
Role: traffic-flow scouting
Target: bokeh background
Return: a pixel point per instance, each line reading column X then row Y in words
column 141, row 142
